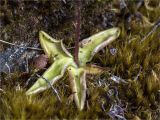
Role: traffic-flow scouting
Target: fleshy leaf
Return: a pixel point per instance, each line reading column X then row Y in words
column 52, row 47
column 78, row 84
column 94, row 69
column 53, row 73
column 90, row 46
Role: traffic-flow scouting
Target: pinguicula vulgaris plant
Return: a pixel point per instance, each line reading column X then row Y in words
column 62, row 61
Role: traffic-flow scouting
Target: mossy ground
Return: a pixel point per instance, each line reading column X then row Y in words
column 137, row 59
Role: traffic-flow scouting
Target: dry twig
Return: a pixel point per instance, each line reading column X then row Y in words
column 32, row 48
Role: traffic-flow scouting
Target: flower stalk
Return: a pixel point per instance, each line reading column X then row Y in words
column 77, row 30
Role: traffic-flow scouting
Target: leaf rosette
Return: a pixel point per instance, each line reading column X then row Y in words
column 63, row 61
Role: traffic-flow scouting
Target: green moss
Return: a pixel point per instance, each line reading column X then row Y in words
column 135, row 61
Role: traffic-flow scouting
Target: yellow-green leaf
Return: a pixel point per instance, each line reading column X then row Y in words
column 94, row 69
column 52, row 47
column 90, row 46
column 78, row 85
column 53, row 73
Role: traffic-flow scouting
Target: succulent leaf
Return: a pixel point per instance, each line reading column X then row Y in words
column 90, row 46
column 52, row 47
column 78, row 84
column 53, row 73
column 94, row 69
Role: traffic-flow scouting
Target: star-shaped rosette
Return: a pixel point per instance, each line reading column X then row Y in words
column 62, row 61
